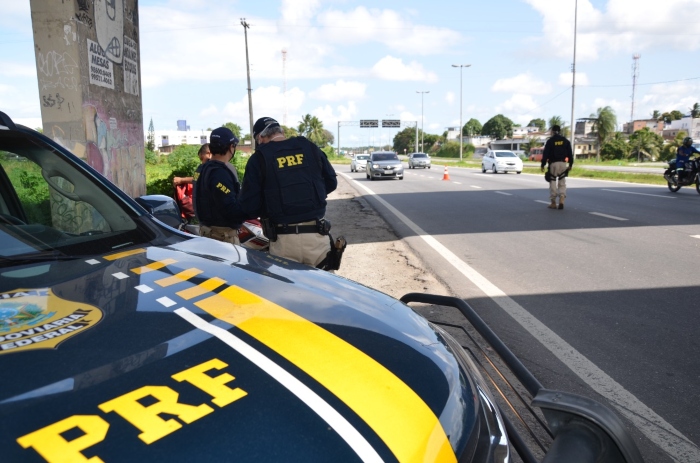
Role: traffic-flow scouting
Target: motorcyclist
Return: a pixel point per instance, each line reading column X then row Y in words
column 683, row 156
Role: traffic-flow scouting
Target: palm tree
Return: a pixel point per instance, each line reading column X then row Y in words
column 670, row 149
column 647, row 143
column 656, row 115
column 604, row 122
column 555, row 120
column 695, row 111
column 315, row 131
column 305, row 125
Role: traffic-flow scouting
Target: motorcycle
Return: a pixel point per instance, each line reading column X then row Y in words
column 691, row 177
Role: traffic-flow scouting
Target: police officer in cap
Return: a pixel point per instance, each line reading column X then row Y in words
column 286, row 182
column 560, row 157
column 216, row 190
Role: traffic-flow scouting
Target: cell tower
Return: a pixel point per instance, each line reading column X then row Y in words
column 635, row 75
column 284, row 85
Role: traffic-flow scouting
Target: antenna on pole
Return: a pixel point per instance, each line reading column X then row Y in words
column 284, row 85
column 635, row 75
column 246, row 26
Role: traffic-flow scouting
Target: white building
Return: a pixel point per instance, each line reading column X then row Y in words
column 687, row 124
column 167, row 140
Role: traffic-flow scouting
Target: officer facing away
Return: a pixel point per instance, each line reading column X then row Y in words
column 557, row 152
column 286, row 182
column 216, row 190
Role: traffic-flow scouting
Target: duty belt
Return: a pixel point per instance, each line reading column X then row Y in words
column 296, row 229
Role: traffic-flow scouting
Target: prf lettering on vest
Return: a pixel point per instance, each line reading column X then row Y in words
column 558, row 143
column 223, row 188
column 288, row 161
column 163, row 415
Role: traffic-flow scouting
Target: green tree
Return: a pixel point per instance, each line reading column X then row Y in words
column 472, row 127
column 405, row 140
column 674, row 115
column 669, row 150
column 616, row 147
column 656, row 115
column 555, row 120
column 305, row 125
column 498, row 127
column 316, row 132
column 646, row 144
column 151, row 138
column 328, row 138
column 235, row 128
column 539, row 123
column 429, row 141
column 604, row 123
column 695, row 111
column 290, row 132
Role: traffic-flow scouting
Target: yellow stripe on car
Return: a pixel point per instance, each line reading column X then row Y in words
column 392, row 409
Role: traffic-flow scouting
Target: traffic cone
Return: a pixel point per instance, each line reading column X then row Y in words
column 446, row 175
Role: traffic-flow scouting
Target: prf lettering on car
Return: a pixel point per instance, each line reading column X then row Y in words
column 289, row 161
column 50, row 443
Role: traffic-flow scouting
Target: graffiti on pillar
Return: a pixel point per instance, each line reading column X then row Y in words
column 51, row 101
column 57, row 71
column 109, row 25
column 131, row 69
column 113, row 147
column 83, row 14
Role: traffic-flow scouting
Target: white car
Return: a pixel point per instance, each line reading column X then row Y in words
column 359, row 162
column 501, row 161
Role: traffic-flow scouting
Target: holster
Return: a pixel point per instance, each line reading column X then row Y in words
column 335, row 255
column 269, row 229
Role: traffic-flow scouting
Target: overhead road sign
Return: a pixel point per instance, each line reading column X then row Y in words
column 371, row 123
column 391, row 123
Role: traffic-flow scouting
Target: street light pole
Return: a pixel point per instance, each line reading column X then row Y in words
column 460, row 66
column 421, row 116
column 573, row 89
column 250, row 97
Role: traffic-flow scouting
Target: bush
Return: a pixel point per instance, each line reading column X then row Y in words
column 151, row 157
column 184, row 160
column 450, row 149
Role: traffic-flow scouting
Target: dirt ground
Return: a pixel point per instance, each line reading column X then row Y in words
column 375, row 256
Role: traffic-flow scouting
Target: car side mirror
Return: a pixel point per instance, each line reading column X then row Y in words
column 163, row 208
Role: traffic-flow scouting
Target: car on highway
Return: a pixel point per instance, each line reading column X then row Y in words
column 359, row 162
column 501, row 161
column 418, row 160
column 384, row 164
column 125, row 339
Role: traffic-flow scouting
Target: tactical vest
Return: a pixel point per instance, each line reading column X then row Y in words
column 559, row 149
column 204, row 206
column 294, row 190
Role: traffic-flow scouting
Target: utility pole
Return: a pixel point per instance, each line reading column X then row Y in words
column 635, row 75
column 421, row 117
column 250, row 96
column 461, row 137
column 573, row 91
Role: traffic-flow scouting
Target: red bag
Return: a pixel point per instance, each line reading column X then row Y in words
column 183, row 198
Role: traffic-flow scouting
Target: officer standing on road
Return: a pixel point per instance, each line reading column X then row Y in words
column 216, row 190
column 286, row 182
column 557, row 152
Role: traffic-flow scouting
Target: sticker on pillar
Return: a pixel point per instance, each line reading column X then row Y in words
column 101, row 71
column 109, row 25
column 131, row 69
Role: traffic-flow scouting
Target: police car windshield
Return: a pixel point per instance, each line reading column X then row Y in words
column 385, row 157
column 48, row 202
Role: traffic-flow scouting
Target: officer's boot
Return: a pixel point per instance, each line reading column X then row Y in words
column 553, row 204
column 561, row 202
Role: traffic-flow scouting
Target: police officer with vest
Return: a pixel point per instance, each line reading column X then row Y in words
column 557, row 153
column 286, row 182
column 216, row 190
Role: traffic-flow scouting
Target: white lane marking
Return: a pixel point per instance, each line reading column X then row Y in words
column 165, row 301
column 504, row 193
column 331, row 416
column 457, row 183
column 644, row 418
column 607, row 216
column 695, row 236
column 477, row 187
column 543, row 202
column 640, row 194
column 120, row 276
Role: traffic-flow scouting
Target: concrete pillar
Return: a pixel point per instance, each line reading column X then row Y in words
column 88, row 69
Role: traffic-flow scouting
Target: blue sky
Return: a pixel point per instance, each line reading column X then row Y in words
column 349, row 60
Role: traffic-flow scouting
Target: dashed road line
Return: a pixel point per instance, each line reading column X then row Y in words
column 504, row 193
column 477, row 187
column 540, row 201
column 640, row 194
column 608, row 216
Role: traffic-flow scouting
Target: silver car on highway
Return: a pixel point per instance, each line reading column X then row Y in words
column 418, row 160
column 384, row 164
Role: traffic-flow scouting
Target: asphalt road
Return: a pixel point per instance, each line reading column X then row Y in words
column 599, row 299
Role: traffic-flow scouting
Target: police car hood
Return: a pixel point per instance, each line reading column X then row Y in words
column 202, row 351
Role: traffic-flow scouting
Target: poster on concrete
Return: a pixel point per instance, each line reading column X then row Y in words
column 109, row 25
column 131, row 70
column 101, row 70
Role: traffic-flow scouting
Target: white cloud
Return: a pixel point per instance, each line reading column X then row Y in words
column 627, row 26
column 267, row 101
column 341, row 90
column 565, row 79
column 518, row 103
column 450, row 98
column 389, row 28
column 17, row 70
column 390, row 68
column 524, row 83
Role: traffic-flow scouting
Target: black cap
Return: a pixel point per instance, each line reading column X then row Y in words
column 263, row 123
column 556, row 128
column 222, row 137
